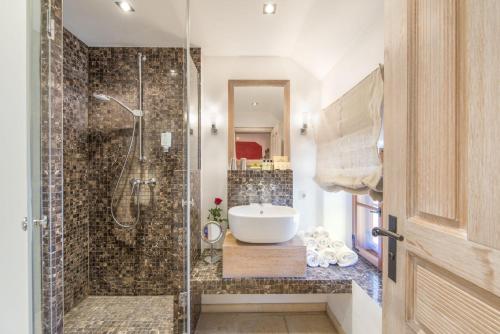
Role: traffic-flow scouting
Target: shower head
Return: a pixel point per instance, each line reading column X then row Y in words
column 102, row 97
column 106, row 98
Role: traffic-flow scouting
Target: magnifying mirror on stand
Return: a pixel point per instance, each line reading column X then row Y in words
column 212, row 233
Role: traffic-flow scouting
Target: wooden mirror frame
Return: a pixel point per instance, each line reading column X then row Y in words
column 231, row 150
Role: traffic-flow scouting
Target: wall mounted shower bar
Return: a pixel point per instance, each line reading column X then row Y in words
column 140, row 59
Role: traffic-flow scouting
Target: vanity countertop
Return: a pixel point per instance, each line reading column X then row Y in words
column 207, row 279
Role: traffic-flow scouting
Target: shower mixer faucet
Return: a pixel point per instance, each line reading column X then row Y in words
column 149, row 182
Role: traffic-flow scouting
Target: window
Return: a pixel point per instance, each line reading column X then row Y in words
column 367, row 214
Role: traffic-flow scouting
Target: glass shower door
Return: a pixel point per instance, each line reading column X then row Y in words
column 35, row 219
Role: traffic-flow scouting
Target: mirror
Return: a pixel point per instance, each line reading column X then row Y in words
column 212, row 233
column 259, row 119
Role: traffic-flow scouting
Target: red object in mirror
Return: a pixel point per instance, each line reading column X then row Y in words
column 248, row 150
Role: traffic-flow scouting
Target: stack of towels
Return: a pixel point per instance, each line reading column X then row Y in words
column 324, row 250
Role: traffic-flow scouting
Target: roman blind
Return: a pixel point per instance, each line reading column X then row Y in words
column 346, row 135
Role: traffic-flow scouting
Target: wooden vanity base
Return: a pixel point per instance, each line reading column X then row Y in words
column 240, row 259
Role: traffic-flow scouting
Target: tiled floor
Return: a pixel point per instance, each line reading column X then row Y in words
column 249, row 323
column 121, row 315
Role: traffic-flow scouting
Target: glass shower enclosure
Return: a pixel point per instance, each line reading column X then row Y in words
column 78, row 254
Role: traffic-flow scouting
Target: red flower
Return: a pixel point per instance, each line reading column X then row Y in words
column 218, row 201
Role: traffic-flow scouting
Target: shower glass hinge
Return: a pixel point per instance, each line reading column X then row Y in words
column 51, row 26
column 186, row 203
column 183, row 299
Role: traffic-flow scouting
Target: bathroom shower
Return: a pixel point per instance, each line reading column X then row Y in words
column 135, row 183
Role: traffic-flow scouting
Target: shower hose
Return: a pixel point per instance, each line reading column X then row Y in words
column 134, row 185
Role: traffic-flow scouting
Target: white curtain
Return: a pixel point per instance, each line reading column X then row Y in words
column 346, row 137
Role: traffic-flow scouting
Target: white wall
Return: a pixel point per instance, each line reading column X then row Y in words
column 366, row 313
column 362, row 58
column 14, row 282
column 305, row 96
column 357, row 313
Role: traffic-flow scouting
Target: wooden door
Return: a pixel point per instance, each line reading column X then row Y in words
column 442, row 165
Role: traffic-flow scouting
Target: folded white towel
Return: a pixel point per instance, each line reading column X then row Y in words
column 313, row 258
column 323, row 242
column 337, row 244
column 323, row 262
column 329, row 255
column 320, row 232
column 346, row 257
column 311, row 243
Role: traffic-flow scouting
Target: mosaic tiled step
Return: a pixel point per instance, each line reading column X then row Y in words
column 121, row 314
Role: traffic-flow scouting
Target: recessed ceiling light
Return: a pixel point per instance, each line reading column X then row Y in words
column 255, row 103
column 125, row 6
column 269, row 8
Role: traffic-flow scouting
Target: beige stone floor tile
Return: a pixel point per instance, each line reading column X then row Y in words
column 309, row 324
column 248, row 323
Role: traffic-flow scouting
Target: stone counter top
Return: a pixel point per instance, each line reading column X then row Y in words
column 207, row 279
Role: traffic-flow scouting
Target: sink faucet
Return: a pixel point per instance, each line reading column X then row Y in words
column 260, row 192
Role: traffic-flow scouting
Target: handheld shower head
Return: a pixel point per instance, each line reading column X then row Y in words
column 107, row 98
column 102, row 97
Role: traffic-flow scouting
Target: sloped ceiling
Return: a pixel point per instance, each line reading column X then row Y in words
column 314, row 33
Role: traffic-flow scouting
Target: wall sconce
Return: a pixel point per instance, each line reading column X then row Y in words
column 305, row 122
column 213, row 120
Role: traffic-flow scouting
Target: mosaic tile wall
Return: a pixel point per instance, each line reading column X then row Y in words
column 76, row 205
column 254, row 186
column 51, row 64
column 144, row 259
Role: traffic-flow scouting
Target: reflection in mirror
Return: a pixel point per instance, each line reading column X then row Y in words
column 258, row 119
column 258, row 122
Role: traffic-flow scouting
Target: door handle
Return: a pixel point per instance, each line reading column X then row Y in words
column 377, row 232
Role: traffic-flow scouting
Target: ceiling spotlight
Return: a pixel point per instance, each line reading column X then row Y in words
column 255, row 103
column 269, row 8
column 125, row 6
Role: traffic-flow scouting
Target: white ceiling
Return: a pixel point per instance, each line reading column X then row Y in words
column 269, row 100
column 101, row 23
column 314, row 33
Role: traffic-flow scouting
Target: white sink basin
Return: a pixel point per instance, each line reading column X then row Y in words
column 263, row 223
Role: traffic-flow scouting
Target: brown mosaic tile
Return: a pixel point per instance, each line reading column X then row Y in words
column 253, row 186
column 76, row 204
column 51, row 66
column 145, row 259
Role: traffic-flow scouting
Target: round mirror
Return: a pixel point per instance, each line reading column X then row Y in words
column 212, row 233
